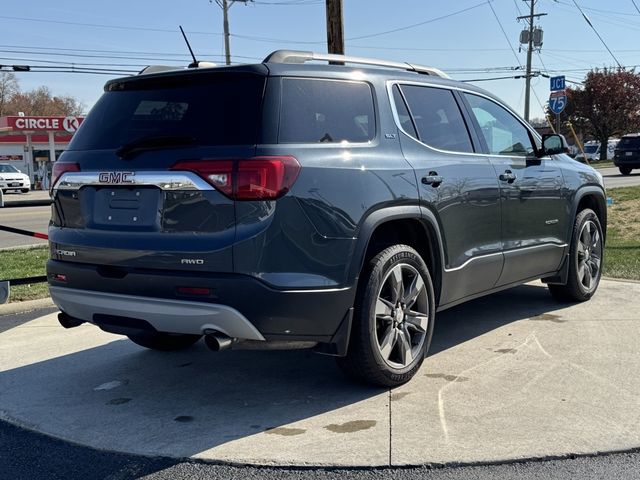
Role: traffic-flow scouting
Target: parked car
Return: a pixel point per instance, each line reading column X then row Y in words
column 292, row 204
column 627, row 154
column 13, row 179
column 592, row 151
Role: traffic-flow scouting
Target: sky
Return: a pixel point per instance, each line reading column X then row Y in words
column 468, row 39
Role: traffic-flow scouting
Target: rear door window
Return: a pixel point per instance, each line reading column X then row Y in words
column 437, row 118
column 207, row 109
column 326, row 111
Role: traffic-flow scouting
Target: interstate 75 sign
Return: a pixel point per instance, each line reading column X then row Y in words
column 557, row 101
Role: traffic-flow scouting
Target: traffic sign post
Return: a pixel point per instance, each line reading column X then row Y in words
column 558, row 97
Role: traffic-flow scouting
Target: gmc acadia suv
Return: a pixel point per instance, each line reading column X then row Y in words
column 291, row 204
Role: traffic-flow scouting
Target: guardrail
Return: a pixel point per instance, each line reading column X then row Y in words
column 5, row 285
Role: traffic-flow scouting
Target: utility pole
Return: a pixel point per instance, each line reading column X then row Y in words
column 530, row 47
column 335, row 28
column 225, row 24
column 225, row 5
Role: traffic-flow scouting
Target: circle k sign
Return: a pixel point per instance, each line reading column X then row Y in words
column 70, row 124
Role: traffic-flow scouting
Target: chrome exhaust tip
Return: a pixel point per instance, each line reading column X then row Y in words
column 218, row 341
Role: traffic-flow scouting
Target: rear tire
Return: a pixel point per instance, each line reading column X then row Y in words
column 165, row 342
column 585, row 260
column 625, row 170
column 393, row 319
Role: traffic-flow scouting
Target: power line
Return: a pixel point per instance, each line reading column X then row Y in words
column 596, row 31
column 102, row 25
column 618, row 22
column 600, row 10
column 634, row 4
column 419, row 24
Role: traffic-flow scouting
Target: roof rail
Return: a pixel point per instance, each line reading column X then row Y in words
column 299, row 56
column 155, row 69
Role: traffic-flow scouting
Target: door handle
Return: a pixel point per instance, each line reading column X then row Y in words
column 432, row 179
column 508, row 176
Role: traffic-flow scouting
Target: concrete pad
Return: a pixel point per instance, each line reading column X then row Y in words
column 513, row 375
column 96, row 389
column 559, row 381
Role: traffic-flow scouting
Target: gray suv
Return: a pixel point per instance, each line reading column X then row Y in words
column 293, row 204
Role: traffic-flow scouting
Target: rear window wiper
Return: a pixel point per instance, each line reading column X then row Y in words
column 152, row 143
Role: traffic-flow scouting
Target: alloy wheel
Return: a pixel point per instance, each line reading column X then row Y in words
column 401, row 316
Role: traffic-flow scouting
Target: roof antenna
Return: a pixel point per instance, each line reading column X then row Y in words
column 194, row 64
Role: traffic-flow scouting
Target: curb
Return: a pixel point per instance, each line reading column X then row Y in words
column 620, row 280
column 26, row 306
column 31, row 246
column 28, row 203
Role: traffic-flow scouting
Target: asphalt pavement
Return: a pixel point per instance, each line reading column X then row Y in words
column 27, row 455
column 27, row 211
column 614, row 179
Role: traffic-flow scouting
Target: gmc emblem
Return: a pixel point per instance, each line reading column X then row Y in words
column 115, row 177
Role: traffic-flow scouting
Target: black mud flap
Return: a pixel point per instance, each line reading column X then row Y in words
column 339, row 343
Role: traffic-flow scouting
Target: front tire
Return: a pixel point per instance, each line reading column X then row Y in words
column 585, row 260
column 165, row 342
column 25, row 190
column 393, row 319
column 625, row 170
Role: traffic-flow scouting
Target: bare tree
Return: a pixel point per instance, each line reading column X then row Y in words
column 8, row 89
column 41, row 102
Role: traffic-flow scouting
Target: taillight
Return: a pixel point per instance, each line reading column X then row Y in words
column 217, row 173
column 62, row 167
column 257, row 178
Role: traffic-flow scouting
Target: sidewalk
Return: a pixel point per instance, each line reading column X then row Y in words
column 511, row 376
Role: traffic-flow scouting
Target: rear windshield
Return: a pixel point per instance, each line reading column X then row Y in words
column 591, row 148
column 626, row 142
column 212, row 110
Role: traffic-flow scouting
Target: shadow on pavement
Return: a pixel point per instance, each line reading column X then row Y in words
column 477, row 317
column 120, row 397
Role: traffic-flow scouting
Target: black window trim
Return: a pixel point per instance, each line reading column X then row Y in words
column 369, row 143
column 396, row 119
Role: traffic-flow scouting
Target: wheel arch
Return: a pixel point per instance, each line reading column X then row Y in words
column 594, row 198
column 411, row 225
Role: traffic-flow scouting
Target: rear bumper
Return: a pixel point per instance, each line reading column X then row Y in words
column 173, row 316
column 240, row 306
column 631, row 162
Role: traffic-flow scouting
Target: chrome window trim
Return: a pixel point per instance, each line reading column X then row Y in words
column 165, row 180
column 396, row 118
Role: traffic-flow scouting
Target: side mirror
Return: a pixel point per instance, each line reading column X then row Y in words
column 553, row 144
